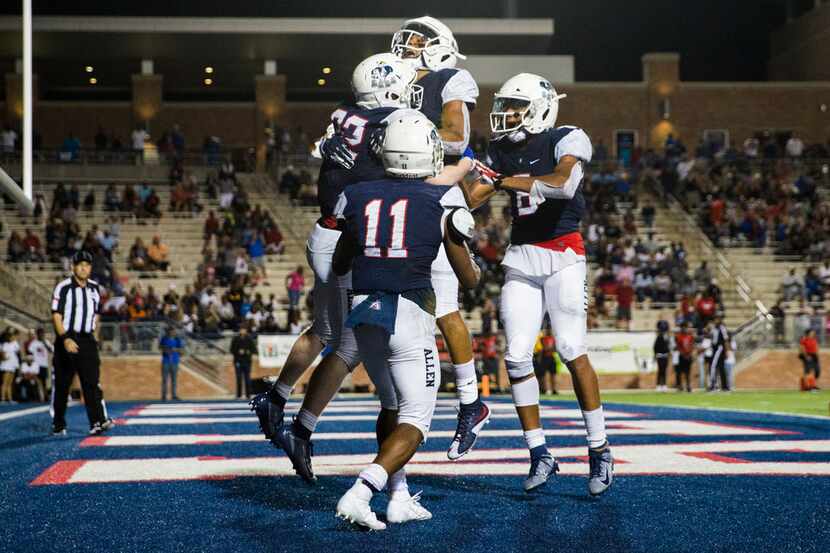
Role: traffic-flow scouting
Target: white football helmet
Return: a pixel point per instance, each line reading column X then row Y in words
column 428, row 42
column 384, row 80
column 526, row 103
column 412, row 148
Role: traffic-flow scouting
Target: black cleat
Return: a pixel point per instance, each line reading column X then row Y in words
column 270, row 414
column 298, row 450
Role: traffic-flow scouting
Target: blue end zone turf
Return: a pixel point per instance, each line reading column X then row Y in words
column 687, row 480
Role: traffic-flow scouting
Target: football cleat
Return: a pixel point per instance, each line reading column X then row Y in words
column 471, row 419
column 107, row 424
column 58, row 430
column 270, row 415
column 354, row 507
column 541, row 468
column 96, row 429
column 601, row 464
column 298, row 450
column 406, row 509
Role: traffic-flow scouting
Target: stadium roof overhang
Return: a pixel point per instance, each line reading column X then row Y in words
column 235, row 47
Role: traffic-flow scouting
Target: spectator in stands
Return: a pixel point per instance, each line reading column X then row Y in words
column 295, row 284
column 647, row 212
column 243, row 348
column 171, row 347
column 138, row 259
column 34, row 249
column 625, row 297
column 795, row 147
column 779, row 322
column 75, row 196
column 273, row 239
column 71, row 148
column 152, row 205
column 791, row 287
column 16, row 248
column 706, row 308
column 130, row 201
column 8, row 139
column 157, row 254
column 663, row 288
column 138, row 138
column 813, row 287
column 241, row 268
column 210, row 229
column 89, row 199
column 294, row 325
column 9, row 361
column 256, row 250
column 289, row 183
column 703, row 276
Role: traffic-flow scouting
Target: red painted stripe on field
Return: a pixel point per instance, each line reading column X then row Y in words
column 775, row 431
column 59, row 473
column 211, row 458
column 715, row 457
column 94, row 441
column 121, row 421
column 135, row 411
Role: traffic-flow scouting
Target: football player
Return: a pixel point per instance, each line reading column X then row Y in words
column 540, row 166
column 393, row 228
column 446, row 95
column 381, row 84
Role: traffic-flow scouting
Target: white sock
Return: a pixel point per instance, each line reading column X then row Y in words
column 283, row 390
column 595, row 426
column 534, row 437
column 307, row 419
column 466, row 383
column 398, row 488
column 374, row 475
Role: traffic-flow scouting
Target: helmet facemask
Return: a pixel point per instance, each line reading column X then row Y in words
column 510, row 115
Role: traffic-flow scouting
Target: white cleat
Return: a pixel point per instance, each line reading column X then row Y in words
column 354, row 507
column 406, row 509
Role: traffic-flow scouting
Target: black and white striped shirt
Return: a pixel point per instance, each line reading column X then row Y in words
column 77, row 304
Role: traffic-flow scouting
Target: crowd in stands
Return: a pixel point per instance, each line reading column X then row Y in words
column 765, row 193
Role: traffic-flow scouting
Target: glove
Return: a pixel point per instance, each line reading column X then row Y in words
column 469, row 153
column 376, row 142
column 487, row 174
column 337, row 151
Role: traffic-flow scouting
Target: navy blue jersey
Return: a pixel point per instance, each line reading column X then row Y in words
column 438, row 90
column 397, row 226
column 534, row 221
column 356, row 124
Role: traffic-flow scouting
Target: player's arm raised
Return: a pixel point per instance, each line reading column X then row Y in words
column 455, row 126
column 458, row 227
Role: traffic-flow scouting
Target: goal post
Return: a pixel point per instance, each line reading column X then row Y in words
column 22, row 193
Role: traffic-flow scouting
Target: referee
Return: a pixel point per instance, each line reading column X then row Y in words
column 75, row 305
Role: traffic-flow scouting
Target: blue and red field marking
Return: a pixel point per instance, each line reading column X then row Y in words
column 199, row 477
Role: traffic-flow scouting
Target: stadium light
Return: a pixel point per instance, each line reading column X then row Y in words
column 326, row 70
column 208, row 82
column 93, row 80
column 321, row 82
column 208, row 69
column 89, row 69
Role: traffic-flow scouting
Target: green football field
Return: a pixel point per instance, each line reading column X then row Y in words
column 767, row 401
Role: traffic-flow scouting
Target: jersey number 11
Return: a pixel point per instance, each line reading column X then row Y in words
column 372, row 214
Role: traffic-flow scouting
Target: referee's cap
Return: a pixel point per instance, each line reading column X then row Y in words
column 80, row 256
